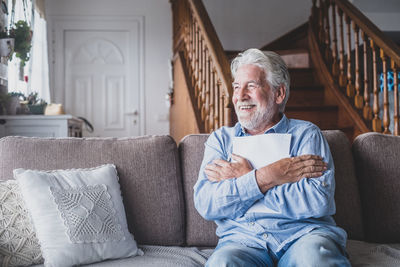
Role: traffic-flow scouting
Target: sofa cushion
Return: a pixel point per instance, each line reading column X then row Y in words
column 147, row 166
column 19, row 245
column 377, row 164
column 200, row 232
column 78, row 214
column 347, row 196
column 163, row 256
column 363, row 254
column 155, row 256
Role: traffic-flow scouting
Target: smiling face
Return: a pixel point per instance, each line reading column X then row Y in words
column 256, row 104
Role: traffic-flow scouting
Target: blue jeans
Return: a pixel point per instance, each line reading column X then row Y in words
column 313, row 249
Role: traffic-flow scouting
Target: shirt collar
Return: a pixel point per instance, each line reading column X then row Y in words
column 281, row 127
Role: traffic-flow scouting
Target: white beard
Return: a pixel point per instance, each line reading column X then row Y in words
column 262, row 116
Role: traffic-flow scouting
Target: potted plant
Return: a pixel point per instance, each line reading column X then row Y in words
column 22, row 34
column 10, row 103
column 36, row 105
column 18, row 39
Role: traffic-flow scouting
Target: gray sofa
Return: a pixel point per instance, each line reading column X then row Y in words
column 157, row 178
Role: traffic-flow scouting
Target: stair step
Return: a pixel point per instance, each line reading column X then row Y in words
column 295, row 58
column 302, row 77
column 325, row 117
column 306, row 96
column 231, row 54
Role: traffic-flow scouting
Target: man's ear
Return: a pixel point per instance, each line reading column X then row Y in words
column 280, row 94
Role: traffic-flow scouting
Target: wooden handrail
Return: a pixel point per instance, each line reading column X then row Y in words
column 207, row 64
column 214, row 45
column 369, row 28
column 378, row 53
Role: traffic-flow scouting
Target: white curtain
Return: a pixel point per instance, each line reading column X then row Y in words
column 35, row 76
column 39, row 68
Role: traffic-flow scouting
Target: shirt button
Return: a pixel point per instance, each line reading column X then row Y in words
column 252, row 223
column 323, row 184
column 265, row 236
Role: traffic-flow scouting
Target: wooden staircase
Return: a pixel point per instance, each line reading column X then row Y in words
column 334, row 73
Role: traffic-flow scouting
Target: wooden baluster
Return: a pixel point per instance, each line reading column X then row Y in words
column 314, row 11
column 207, row 92
column 186, row 32
column 216, row 102
column 197, row 65
column 342, row 76
column 197, row 70
column 335, row 65
column 184, row 14
column 221, row 103
column 228, row 111
column 358, row 99
column 203, row 83
column 207, row 88
column 396, row 130
column 386, row 118
column 376, row 121
column 350, row 86
column 211, row 86
column 190, row 52
column 327, row 32
column 321, row 22
column 187, row 28
column 367, row 111
column 201, row 79
column 188, row 19
column 193, row 62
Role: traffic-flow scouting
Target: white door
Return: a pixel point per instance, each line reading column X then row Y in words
column 102, row 75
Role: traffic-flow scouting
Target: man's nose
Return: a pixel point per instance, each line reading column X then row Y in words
column 242, row 92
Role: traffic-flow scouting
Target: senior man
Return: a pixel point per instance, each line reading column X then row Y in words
column 296, row 228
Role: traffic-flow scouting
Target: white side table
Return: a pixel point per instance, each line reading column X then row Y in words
column 40, row 125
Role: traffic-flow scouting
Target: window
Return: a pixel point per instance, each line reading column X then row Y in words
column 34, row 76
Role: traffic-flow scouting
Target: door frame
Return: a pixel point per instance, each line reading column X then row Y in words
column 58, row 25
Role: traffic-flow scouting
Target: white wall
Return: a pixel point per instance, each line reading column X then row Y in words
column 384, row 13
column 254, row 23
column 157, row 46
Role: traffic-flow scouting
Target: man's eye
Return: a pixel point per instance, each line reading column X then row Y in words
column 251, row 86
column 236, row 87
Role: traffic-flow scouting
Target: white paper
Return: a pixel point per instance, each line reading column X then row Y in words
column 261, row 150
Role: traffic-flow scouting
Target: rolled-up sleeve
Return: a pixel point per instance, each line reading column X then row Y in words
column 229, row 198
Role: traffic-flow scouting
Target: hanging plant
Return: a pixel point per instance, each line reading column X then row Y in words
column 22, row 34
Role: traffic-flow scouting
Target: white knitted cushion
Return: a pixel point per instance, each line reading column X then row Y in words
column 78, row 214
column 18, row 243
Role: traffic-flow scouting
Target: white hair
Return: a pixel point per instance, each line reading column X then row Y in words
column 275, row 69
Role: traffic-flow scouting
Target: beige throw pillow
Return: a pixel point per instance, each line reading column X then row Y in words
column 18, row 243
column 78, row 215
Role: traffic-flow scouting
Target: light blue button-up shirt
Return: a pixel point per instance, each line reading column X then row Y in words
column 297, row 208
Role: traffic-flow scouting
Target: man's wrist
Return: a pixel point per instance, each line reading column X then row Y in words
column 264, row 180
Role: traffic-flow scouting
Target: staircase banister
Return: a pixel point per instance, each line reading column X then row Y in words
column 214, row 45
column 365, row 24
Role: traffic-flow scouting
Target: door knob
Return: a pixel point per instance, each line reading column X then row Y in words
column 134, row 113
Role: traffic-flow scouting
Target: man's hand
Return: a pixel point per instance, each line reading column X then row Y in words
column 220, row 169
column 289, row 170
